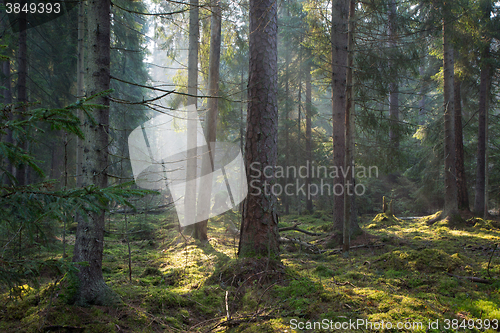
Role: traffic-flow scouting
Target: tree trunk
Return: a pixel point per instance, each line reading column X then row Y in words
column 462, row 195
column 286, row 198
column 393, row 86
column 450, row 184
column 22, row 95
column 242, row 87
column 7, row 99
column 298, row 149
column 339, row 60
column 486, row 169
column 481, row 195
column 479, row 201
column 309, row 203
column 190, row 194
column 80, row 92
column 90, row 232
column 207, row 164
column 349, row 107
column 242, row 138
column 57, row 162
column 259, row 227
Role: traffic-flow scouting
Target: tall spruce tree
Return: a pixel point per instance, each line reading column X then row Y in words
column 89, row 241
column 259, row 227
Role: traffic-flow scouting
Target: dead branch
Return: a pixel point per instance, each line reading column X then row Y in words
column 227, row 307
column 311, row 247
column 344, row 283
column 339, row 250
column 471, row 278
column 294, row 227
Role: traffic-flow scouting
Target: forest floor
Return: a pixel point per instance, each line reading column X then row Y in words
column 406, row 274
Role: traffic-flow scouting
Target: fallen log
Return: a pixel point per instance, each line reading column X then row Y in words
column 311, row 247
column 339, row 250
column 471, row 278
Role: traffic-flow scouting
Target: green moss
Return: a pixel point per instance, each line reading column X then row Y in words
column 384, row 219
column 151, row 271
column 426, row 260
column 322, row 270
column 159, row 300
column 177, row 283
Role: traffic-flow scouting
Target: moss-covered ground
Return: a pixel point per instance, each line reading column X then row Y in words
column 401, row 271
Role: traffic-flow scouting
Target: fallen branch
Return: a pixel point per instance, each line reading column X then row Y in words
column 66, row 328
column 339, row 250
column 471, row 278
column 311, row 247
column 294, row 227
column 228, row 314
column 344, row 283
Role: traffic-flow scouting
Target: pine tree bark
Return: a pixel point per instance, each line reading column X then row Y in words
column 259, row 228
column 462, row 195
column 340, row 14
column 450, row 184
column 309, row 203
column 90, row 231
column 207, row 165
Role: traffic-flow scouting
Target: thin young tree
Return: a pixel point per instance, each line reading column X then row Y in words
column 211, row 121
column 7, row 99
column 349, row 114
column 480, row 189
column 340, row 12
column 80, row 92
column 22, row 93
column 309, row 203
column 462, row 195
column 480, row 201
column 393, row 86
column 450, row 184
column 259, row 227
column 192, row 118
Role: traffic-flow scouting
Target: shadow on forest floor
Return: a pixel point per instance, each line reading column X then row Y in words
column 405, row 274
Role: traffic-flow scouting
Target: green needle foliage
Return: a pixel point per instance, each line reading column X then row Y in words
column 29, row 214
